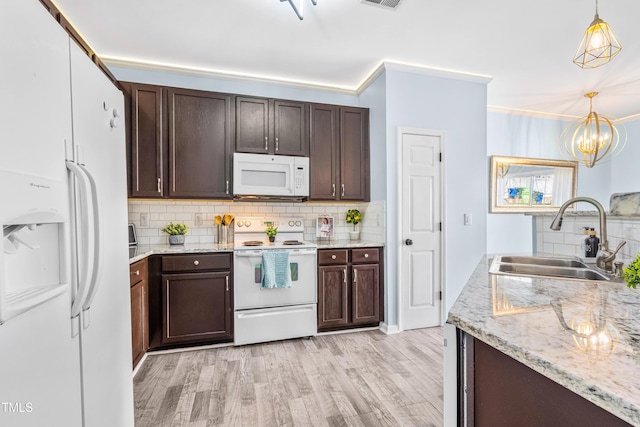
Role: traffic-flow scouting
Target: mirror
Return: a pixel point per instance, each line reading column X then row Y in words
column 520, row 184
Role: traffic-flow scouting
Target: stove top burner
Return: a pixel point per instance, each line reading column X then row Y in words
column 292, row 242
column 252, row 243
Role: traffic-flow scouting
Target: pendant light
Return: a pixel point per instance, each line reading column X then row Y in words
column 592, row 138
column 598, row 46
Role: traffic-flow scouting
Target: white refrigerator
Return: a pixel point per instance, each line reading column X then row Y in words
column 65, row 327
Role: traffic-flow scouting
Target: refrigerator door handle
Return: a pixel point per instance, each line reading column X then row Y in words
column 95, row 254
column 83, row 260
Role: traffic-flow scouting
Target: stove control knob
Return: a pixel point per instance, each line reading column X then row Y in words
column 298, row 223
column 291, row 223
column 247, row 223
column 240, row 223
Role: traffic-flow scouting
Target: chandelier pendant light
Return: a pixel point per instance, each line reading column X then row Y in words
column 598, row 46
column 297, row 6
column 592, row 138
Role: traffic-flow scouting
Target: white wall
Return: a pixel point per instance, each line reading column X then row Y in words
column 626, row 166
column 458, row 108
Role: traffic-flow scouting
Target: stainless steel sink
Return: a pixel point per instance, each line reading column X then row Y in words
column 533, row 260
column 562, row 268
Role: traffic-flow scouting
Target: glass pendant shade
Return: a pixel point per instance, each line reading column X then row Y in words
column 598, row 46
column 593, row 138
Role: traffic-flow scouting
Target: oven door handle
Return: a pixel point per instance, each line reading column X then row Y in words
column 248, row 254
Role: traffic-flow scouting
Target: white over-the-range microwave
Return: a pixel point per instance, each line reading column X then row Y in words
column 266, row 176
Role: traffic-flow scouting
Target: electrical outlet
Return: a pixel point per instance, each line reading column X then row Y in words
column 144, row 220
column 198, row 219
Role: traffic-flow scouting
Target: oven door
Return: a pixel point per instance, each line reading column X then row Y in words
column 247, row 274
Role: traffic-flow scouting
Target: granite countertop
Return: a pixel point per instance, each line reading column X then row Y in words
column 143, row 251
column 520, row 316
column 334, row 244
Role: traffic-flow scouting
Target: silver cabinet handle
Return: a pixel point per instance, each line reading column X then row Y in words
column 227, row 280
column 136, row 273
column 342, row 193
column 196, row 262
column 366, row 255
column 276, row 143
column 345, row 276
column 333, row 257
column 266, row 143
column 159, row 187
column 355, row 275
column 333, row 193
column 227, row 186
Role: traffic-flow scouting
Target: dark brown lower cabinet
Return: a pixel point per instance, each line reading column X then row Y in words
column 505, row 393
column 349, row 288
column 196, row 307
column 139, row 310
column 190, row 299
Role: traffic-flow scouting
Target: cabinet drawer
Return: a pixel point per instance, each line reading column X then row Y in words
column 332, row 256
column 364, row 255
column 137, row 272
column 199, row 262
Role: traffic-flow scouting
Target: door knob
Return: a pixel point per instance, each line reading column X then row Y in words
column 408, row 242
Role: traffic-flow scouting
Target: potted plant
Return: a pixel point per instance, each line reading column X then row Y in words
column 176, row 233
column 354, row 217
column 631, row 273
column 271, row 231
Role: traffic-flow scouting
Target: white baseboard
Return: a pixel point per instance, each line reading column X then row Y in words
column 389, row 329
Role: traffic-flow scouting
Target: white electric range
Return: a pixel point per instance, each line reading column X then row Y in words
column 271, row 314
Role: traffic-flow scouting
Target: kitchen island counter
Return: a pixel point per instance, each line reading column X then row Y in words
column 141, row 252
column 531, row 320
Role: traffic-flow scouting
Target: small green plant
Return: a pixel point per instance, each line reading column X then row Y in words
column 271, row 230
column 631, row 273
column 175, row 229
column 354, row 217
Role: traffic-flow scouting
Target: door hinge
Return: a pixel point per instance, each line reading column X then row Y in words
column 440, row 295
column 440, row 156
column 439, row 226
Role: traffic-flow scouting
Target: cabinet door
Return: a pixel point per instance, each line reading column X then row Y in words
column 199, row 144
column 139, row 332
column 196, row 307
column 332, row 296
column 252, row 125
column 365, row 305
column 145, row 140
column 323, row 156
column 354, row 154
column 291, row 128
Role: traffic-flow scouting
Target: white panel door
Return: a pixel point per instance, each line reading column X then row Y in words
column 106, row 325
column 420, row 286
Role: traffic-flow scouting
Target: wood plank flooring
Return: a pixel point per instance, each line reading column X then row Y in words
column 352, row 379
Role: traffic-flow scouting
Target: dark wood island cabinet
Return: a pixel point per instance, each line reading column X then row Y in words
column 139, row 310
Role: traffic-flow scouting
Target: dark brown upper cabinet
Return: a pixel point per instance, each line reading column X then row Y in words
column 272, row 126
column 179, row 142
column 145, row 139
column 339, row 153
column 200, row 128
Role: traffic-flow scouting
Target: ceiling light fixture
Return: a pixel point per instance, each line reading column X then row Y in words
column 598, row 46
column 297, row 6
column 592, row 138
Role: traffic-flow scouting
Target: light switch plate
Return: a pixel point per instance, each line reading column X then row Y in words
column 198, row 219
column 467, row 219
column 144, row 219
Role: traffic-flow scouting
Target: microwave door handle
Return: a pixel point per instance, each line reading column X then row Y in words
column 292, row 182
column 83, row 260
column 97, row 242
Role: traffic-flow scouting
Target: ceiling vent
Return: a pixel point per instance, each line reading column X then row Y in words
column 388, row 4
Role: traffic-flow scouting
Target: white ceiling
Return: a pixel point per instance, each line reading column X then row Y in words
column 525, row 46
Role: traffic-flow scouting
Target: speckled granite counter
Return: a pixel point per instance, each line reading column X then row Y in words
column 333, row 244
column 521, row 317
column 143, row 251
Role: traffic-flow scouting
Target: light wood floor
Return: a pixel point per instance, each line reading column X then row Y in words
column 354, row 379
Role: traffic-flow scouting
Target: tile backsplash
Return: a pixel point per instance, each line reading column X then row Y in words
column 159, row 213
column 569, row 240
